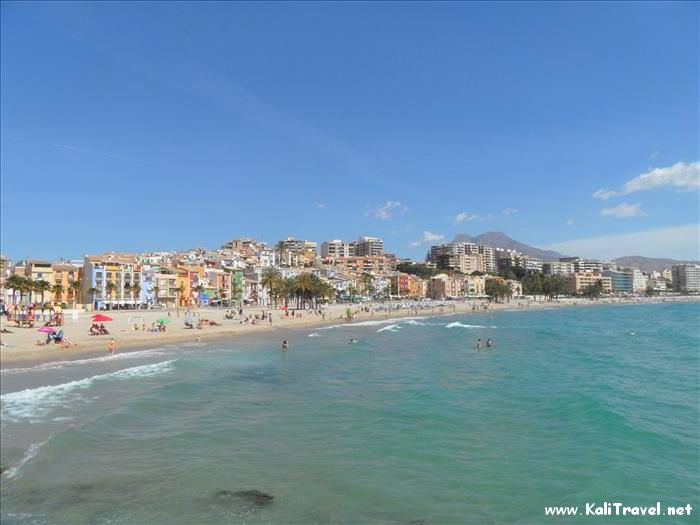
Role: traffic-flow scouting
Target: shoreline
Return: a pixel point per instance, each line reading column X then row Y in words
column 127, row 341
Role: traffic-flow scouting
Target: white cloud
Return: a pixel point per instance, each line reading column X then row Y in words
column 320, row 205
column 676, row 242
column 569, row 222
column 509, row 211
column 682, row 175
column 384, row 212
column 466, row 217
column 604, row 194
column 623, row 211
column 427, row 237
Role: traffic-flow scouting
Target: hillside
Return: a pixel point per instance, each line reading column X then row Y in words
column 500, row 240
column 648, row 264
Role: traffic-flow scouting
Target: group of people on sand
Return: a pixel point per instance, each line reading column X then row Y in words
column 98, row 329
column 56, row 338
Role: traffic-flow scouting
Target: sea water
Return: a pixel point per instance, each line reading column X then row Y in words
column 411, row 424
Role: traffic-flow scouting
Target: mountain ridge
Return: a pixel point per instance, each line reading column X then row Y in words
column 501, row 240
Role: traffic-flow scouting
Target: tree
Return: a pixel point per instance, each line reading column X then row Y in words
column 271, row 279
column 58, row 292
column 368, row 281
column 593, row 290
column 16, row 283
column 136, row 292
column 42, row 287
column 75, row 288
column 110, row 290
column 180, row 290
column 650, row 291
column 495, row 289
column 92, row 292
column 127, row 288
column 199, row 289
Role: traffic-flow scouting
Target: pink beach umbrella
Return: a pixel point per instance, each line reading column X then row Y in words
column 47, row 329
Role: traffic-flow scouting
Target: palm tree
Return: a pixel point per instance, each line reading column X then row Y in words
column 110, row 290
column 199, row 289
column 305, row 285
column 58, row 292
column 93, row 292
column 127, row 288
column 271, row 278
column 42, row 287
column 367, row 281
column 180, row 290
column 136, row 292
column 75, row 288
column 16, row 283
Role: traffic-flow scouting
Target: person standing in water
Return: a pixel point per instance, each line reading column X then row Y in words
column 285, row 346
column 478, row 344
column 111, row 346
column 489, row 343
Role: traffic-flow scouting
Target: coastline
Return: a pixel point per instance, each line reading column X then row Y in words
column 22, row 351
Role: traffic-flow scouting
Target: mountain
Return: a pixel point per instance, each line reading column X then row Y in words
column 648, row 264
column 500, row 240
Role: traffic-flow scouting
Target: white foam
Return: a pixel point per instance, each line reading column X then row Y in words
column 37, row 402
column 390, row 328
column 457, row 324
column 372, row 323
column 32, row 451
column 57, row 365
column 314, row 335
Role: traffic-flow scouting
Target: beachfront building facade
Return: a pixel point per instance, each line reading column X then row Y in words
column 686, row 278
column 67, row 284
column 578, row 282
column 464, row 263
column 621, row 281
column 582, row 265
column 112, row 281
column 41, row 273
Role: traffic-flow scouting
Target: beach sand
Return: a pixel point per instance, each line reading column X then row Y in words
column 19, row 347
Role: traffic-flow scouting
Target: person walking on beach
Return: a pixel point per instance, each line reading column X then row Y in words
column 111, row 346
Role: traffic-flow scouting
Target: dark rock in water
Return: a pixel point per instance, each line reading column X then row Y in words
column 254, row 496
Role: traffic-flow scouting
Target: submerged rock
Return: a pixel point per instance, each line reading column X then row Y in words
column 254, row 496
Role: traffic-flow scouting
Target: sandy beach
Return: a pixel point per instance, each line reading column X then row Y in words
column 20, row 346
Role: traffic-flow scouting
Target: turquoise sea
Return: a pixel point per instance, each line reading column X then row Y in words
column 411, row 425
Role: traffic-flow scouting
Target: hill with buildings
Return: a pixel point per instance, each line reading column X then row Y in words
column 500, row 240
column 648, row 264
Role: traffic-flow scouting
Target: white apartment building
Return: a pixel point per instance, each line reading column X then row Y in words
column 337, row 248
column 369, row 247
column 558, row 268
column 686, row 278
column 489, row 256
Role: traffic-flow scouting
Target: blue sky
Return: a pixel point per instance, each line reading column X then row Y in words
column 156, row 126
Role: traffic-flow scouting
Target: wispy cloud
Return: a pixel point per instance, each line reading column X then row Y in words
column 467, row 217
column 386, row 210
column 569, row 222
column 682, row 175
column 677, row 242
column 623, row 211
column 427, row 237
column 77, row 149
column 509, row 211
column 320, row 205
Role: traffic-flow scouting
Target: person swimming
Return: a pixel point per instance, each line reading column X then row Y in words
column 352, row 341
column 489, row 343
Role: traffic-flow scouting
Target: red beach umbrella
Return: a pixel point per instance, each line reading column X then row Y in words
column 46, row 330
column 99, row 318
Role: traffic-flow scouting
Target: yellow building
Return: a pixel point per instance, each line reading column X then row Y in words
column 65, row 276
column 39, row 271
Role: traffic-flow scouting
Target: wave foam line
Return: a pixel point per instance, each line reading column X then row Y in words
column 390, row 328
column 57, row 365
column 37, row 402
column 457, row 324
column 32, row 451
column 314, row 335
column 372, row 323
